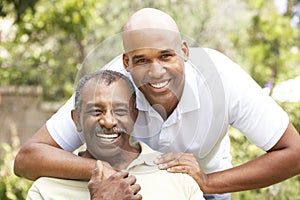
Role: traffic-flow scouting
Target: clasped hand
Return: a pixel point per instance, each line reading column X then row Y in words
column 118, row 186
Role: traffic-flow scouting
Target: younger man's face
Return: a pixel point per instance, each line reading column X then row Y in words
column 155, row 58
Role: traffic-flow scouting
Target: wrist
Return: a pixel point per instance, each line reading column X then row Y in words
column 204, row 183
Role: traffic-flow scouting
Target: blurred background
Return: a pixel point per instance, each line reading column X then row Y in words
column 44, row 43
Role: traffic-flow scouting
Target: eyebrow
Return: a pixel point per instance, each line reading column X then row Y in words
column 167, row 51
column 91, row 105
column 138, row 56
column 118, row 104
column 143, row 55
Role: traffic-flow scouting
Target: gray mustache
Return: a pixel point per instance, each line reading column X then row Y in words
column 117, row 130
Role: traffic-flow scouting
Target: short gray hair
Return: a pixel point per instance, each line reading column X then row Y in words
column 105, row 76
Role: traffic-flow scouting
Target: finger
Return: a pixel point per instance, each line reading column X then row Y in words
column 135, row 188
column 168, row 157
column 100, row 169
column 97, row 171
column 167, row 165
column 184, row 162
column 107, row 170
column 120, row 175
column 179, row 169
column 131, row 179
column 137, row 197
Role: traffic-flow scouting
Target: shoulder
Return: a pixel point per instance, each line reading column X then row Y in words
column 183, row 182
column 47, row 181
column 207, row 52
column 54, row 188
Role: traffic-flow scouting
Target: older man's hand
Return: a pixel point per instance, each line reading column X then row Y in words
column 118, row 186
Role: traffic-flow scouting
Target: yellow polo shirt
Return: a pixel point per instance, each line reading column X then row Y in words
column 155, row 184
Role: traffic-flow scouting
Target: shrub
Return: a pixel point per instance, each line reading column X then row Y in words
column 11, row 186
column 242, row 151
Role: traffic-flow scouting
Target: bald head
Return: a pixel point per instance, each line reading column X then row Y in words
column 151, row 28
column 150, row 18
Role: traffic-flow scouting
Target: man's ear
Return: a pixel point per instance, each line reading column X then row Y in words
column 76, row 119
column 185, row 50
column 135, row 114
column 126, row 61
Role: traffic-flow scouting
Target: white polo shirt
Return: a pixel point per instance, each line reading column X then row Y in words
column 155, row 183
column 217, row 93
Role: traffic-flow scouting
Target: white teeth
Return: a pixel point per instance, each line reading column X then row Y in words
column 107, row 137
column 159, row 85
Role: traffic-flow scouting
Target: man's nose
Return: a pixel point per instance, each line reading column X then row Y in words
column 156, row 70
column 108, row 120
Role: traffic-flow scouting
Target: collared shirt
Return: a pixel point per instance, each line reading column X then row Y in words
column 187, row 129
column 217, row 93
column 155, row 183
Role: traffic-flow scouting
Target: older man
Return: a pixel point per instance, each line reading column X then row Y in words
column 105, row 113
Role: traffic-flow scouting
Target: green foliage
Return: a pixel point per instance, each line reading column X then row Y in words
column 293, row 109
column 243, row 151
column 19, row 7
column 268, row 50
column 51, row 40
column 11, row 186
column 49, row 46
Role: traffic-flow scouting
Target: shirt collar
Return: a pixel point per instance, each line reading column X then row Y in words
column 190, row 97
column 146, row 157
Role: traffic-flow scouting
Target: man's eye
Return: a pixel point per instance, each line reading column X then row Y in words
column 95, row 112
column 141, row 61
column 166, row 56
column 121, row 112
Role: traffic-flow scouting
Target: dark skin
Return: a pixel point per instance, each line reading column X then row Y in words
column 109, row 189
column 42, row 144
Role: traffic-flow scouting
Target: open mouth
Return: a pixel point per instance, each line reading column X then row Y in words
column 108, row 137
column 160, row 84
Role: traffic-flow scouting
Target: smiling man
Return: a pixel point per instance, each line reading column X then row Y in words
column 105, row 113
column 186, row 100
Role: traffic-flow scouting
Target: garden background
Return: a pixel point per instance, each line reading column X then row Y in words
column 44, row 43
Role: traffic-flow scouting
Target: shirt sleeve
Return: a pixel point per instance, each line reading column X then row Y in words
column 34, row 193
column 62, row 128
column 252, row 111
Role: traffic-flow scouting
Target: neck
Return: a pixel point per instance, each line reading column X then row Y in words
column 167, row 105
column 122, row 160
column 164, row 109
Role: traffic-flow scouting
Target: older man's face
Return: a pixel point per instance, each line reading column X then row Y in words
column 106, row 118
